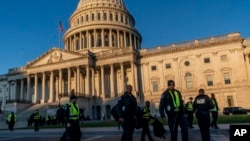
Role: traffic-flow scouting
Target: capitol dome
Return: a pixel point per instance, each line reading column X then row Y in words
column 98, row 25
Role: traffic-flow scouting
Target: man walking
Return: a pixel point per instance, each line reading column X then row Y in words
column 214, row 112
column 190, row 112
column 72, row 116
column 37, row 119
column 127, row 112
column 202, row 106
column 145, row 119
column 11, row 119
column 171, row 102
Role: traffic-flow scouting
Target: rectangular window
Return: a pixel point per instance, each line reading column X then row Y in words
column 155, row 86
column 209, row 80
column 223, row 58
column 157, row 107
column 189, row 82
column 227, row 78
column 230, row 101
column 168, row 66
column 206, row 60
column 153, row 68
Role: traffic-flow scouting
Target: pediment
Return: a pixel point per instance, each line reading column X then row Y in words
column 55, row 55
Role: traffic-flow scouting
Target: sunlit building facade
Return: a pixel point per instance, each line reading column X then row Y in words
column 102, row 54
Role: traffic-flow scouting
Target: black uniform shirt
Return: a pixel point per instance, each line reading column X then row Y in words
column 202, row 105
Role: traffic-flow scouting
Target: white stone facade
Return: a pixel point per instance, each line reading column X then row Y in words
column 102, row 54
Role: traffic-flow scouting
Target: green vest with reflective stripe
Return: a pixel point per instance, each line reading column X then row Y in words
column 215, row 107
column 176, row 101
column 9, row 117
column 37, row 116
column 74, row 111
column 189, row 106
column 146, row 112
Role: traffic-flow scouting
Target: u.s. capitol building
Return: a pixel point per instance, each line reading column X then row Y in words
column 102, row 54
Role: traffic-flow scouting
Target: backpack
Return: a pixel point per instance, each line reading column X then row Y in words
column 158, row 128
column 114, row 112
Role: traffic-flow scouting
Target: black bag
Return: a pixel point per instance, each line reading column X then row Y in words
column 114, row 112
column 158, row 128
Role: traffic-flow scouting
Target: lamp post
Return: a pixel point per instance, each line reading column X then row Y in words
column 59, row 97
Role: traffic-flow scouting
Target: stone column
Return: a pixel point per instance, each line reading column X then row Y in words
column 112, row 81
column 51, row 89
column 21, row 94
column 122, row 76
column 103, row 41
column 93, row 83
column 43, row 88
column 35, row 89
column 78, row 80
column 95, row 37
column 136, row 77
column 133, row 77
column 110, row 38
column 125, row 39
column 102, row 79
column 118, row 39
column 88, row 81
column 130, row 40
column 28, row 87
column 69, row 81
column 60, row 82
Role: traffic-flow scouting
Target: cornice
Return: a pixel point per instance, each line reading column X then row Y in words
column 170, row 50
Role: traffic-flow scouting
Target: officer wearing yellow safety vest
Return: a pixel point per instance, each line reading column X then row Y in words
column 11, row 119
column 145, row 119
column 190, row 112
column 37, row 120
column 171, row 102
column 214, row 112
column 72, row 115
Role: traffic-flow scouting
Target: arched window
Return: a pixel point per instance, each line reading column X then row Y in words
column 99, row 16
column 111, row 17
column 99, row 40
column 106, row 39
column 189, row 80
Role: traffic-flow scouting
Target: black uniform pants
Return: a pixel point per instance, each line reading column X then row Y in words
column 204, row 124
column 214, row 119
column 190, row 118
column 145, row 130
column 74, row 131
column 36, row 124
column 174, row 120
column 11, row 125
column 128, row 126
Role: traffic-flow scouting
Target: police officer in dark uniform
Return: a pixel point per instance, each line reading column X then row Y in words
column 190, row 112
column 126, row 110
column 202, row 106
column 172, row 103
column 72, row 115
column 37, row 119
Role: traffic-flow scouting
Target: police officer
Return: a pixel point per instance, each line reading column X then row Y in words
column 37, row 119
column 127, row 112
column 171, row 102
column 72, row 115
column 214, row 112
column 145, row 119
column 11, row 119
column 202, row 106
column 190, row 112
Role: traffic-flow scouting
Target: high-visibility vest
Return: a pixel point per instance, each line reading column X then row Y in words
column 9, row 117
column 176, row 101
column 146, row 112
column 74, row 111
column 37, row 116
column 190, row 106
column 215, row 107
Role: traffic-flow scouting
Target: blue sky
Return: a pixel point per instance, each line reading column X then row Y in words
column 29, row 28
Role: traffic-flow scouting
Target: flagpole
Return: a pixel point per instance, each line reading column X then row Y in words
column 59, row 37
